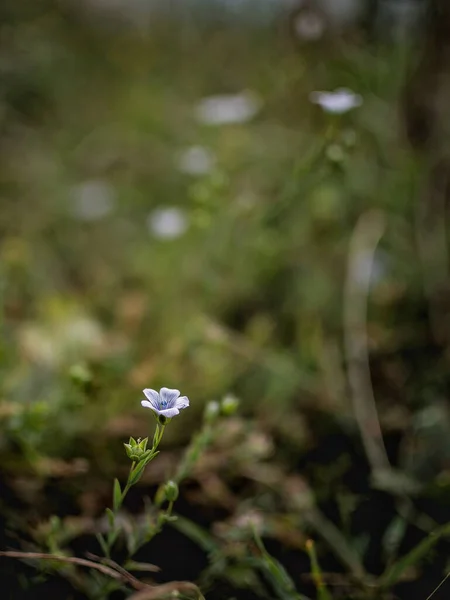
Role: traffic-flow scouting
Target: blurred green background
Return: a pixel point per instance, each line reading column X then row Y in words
column 176, row 211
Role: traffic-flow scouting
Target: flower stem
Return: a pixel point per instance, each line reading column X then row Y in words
column 158, row 435
column 113, row 532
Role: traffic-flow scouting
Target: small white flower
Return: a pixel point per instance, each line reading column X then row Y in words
column 167, row 403
column 225, row 109
column 167, row 223
column 64, row 339
column 309, row 26
column 196, row 160
column 251, row 520
column 338, row 102
column 93, row 200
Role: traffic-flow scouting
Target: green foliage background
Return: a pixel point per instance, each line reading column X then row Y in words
column 250, row 299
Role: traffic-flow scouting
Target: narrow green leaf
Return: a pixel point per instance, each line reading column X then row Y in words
column 111, row 517
column 392, row 575
column 145, row 456
column 197, row 534
column 136, row 474
column 393, row 536
column 112, row 537
column 103, row 544
column 132, row 565
column 143, row 444
column 151, row 456
column 316, row 571
column 117, row 495
column 280, row 578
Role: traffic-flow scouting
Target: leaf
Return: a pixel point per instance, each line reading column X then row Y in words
column 136, row 474
column 111, row 517
column 150, row 456
column 392, row 575
column 316, row 571
column 132, row 565
column 145, row 457
column 393, row 536
column 117, row 495
column 112, row 537
column 171, row 518
column 143, row 444
column 280, row 579
column 103, row 544
column 197, row 534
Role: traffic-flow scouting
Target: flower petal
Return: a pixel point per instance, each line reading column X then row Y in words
column 182, row 402
column 148, row 404
column 168, row 397
column 169, row 412
column 340, row 101
column 153, row 397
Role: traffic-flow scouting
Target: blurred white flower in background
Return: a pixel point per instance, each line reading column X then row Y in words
column 167, row 223
column 196, row 160
column 62, row 339
column 338, row 102
column 228, row 108
column 309, row 26
column 252, row 520
column 92, row 200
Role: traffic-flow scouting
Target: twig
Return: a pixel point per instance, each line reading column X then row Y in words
column 364, row 241
column 439, row 586
column 126, row 575
column 82, row 562
column 166, row 589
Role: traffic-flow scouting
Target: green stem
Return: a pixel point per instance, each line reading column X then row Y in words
column 112, row 535
column 159, row 431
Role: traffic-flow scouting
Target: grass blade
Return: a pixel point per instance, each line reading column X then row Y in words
column 393, row 574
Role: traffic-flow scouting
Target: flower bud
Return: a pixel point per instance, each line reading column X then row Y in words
column 229, row 405
column 142, row 444
column 80, row 375
column 212, row 411
column 136, row 450
column 171, row 491
column 335, row 154
column 167, row 491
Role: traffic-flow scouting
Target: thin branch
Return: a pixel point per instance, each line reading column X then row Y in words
column 107, row 561
column 363, row 244
column 145, row 591
column 133, row 581
column 166, row 590
column 439, row 586
column 82, row 562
